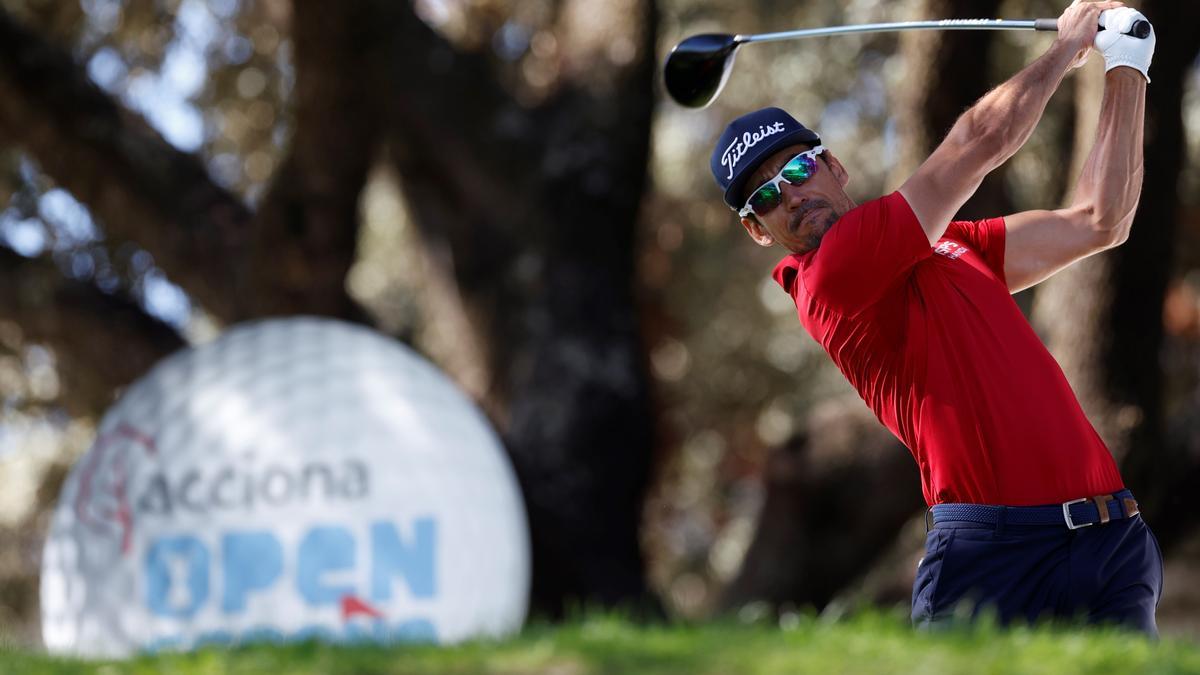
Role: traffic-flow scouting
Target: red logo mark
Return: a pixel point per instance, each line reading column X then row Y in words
column 352, row 607
column 103, row 501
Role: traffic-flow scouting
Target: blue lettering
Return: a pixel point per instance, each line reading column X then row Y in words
column 314, row 634
column 413, row 630
column 322, row 550
column 356, row 634
column 164, row 644
column 390, row 556
column 250, row 561
column 178, row 572
column 378, row 632
column 216, row 638
column 176, row 576
column 262, row 634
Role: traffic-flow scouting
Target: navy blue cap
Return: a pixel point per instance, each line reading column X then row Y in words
column 748, row 141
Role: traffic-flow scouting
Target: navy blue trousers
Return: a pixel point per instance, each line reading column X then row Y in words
column 1109, row 573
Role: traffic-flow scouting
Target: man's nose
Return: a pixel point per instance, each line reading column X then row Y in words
column 793, row 196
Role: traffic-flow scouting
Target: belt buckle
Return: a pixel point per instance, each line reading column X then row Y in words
column 1067, row 514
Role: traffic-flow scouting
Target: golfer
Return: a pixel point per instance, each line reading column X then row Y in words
column 1030, row 516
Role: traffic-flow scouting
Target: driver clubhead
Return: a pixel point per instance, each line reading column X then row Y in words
column 697, row 68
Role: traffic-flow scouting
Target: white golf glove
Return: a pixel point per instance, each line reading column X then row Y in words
column 1124, row 50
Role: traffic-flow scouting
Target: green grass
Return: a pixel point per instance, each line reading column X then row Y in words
column 869, row 643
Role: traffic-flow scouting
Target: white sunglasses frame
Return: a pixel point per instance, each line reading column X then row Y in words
column 748, row 210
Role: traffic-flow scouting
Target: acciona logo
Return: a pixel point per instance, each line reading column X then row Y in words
column 246, row 487
column 740, row 146
column 113, row 496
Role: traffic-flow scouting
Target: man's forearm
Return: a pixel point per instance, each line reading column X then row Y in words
column 1002, row 121
column 1110, row 184
column 998, row 125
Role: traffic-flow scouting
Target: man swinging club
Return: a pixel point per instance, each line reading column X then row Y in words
column 1030, row 515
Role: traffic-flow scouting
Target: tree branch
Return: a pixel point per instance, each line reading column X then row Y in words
column 306, row 230
column 137, row 184
column 537, row 209
column 554, row 176
column 103, row 342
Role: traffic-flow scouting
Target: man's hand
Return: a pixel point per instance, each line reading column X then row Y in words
column 1125, row 50
column 1078, row 25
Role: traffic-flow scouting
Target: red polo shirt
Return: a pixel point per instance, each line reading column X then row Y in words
column 933, row 342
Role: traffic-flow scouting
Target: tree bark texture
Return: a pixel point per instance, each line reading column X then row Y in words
column 535, row 210
column 306, row 230
column 946, row 73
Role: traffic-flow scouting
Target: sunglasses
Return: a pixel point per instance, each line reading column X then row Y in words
column 797, row 170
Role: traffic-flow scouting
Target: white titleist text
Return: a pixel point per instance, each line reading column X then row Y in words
column 740, row 146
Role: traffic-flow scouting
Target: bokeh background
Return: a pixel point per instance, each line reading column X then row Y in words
column 504, row 185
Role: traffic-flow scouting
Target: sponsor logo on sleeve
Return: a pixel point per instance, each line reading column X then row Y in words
column 950, row 249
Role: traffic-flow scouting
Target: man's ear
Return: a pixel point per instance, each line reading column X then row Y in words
column 757, row 232
column 839, row 171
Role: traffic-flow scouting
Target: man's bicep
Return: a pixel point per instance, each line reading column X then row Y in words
column 942, row 184
column 1040, row 243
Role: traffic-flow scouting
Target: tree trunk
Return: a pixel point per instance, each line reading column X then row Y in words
column 947, row 73
column 306, row 231
column 535, row 210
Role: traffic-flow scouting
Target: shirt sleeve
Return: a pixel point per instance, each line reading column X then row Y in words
column 865, row 253
column 785, row 273
column 986, row 237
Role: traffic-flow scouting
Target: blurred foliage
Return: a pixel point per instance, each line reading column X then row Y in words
column 736, row 374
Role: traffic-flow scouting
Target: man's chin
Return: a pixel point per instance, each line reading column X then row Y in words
column 818, row 227
column 802, row 244
column 808, row 218
column 813, row 240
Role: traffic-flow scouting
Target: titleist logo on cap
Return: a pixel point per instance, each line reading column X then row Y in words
column 740, row 146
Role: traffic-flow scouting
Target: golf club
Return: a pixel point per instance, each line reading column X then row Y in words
column 697, row 68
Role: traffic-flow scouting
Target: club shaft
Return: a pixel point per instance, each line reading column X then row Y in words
column 945, row 24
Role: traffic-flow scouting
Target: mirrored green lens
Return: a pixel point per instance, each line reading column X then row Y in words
column 799, row 169
column 764, row 199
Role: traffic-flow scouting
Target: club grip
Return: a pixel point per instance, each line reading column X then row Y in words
column 1141, row 29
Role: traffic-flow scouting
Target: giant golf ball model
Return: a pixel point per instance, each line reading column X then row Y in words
column 294, row 479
